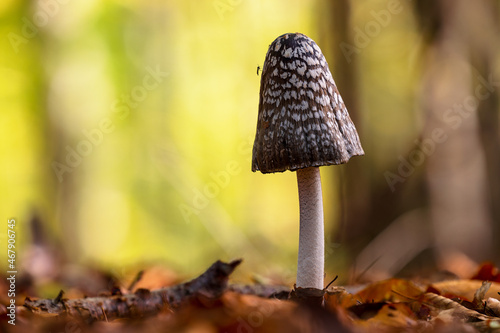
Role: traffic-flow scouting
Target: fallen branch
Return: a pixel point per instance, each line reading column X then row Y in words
column 262, row 290
column 211, row 284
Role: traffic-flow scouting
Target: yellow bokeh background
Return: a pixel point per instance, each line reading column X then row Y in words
column 167, row 178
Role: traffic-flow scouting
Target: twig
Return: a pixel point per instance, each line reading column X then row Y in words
column 137, row 278
column 262, row 290
column 211, row 284
column 334, row 279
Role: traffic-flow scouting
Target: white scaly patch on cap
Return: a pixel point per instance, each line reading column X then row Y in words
column 302, row 119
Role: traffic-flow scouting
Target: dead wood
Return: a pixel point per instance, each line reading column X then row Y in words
column 211, row 284
column 262, row 290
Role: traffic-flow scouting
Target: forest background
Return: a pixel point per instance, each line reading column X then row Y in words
column 126, row 131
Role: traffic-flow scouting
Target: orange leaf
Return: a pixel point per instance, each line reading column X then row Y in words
column 487, row 272
column 392, row 290
column 465, row 289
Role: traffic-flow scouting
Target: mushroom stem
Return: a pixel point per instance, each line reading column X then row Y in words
column 311, row 260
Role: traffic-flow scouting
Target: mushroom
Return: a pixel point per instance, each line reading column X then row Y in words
column 302, row 124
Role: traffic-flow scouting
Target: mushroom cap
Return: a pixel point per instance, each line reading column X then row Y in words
column 302, row 119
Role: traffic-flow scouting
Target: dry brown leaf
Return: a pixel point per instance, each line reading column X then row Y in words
column 487, row 271
column 393, row 290
column 493, row 305
column 448, row 324
column 479, row 295
column 396, row 315
column 339, row 297
column 465, row 289
column 239, row 313
column 446, row 307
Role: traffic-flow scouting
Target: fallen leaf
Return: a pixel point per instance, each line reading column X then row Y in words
column 396, row 315
column 465, row 289
column 479, row 295
column 493, row 305
column 487, row 272
column 392, row 290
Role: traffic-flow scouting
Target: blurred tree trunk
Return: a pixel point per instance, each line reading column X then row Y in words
column 355, row 186
column 484, row 54
column 367, row 205
column 457, row 169
column 460, row 183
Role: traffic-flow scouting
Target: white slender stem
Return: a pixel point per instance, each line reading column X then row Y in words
column 311, row 261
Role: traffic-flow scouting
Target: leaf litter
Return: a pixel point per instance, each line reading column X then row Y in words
column 210, row 303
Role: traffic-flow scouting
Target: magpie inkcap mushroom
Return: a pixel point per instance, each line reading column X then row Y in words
column 302, row 124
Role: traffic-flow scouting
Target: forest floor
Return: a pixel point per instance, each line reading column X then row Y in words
column 210, row 303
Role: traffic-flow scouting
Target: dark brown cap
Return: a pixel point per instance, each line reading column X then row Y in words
column 302, row 121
